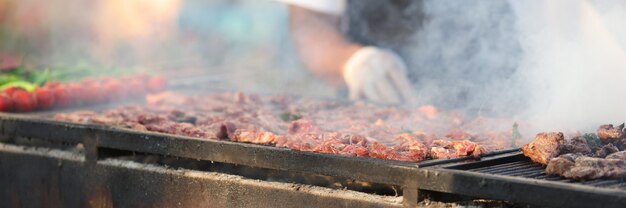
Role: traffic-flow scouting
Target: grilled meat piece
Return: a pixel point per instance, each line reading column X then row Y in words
column 441, row 149
column 609, row 133
column 544, row 147
column 381, row 151
column 77, row 117
column 580, row 167
column 587, row 168
column 357, row 129
column 583, row 157
column 575, row 145
column 621, row 155
column 606, row 150
column 561, row 164
column 302, row 126
column 253, row 136
column 441, row 153
column 355, row 150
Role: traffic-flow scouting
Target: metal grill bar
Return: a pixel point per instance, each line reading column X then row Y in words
column 496, row 167
column 529, row 169
column 605, row 183
column 515, row 178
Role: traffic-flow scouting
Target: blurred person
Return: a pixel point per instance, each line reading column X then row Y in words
column 397, row 52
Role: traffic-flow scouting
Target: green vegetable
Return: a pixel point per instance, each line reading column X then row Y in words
column 593, row 141
column 21, row 84
column 7, row 78
column 17, row 71
column 288, row 116
column 40, row 77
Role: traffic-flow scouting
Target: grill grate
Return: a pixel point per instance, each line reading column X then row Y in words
column 529, row 169
column 515, row 178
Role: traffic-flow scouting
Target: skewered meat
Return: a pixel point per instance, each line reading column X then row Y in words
column 544, row 147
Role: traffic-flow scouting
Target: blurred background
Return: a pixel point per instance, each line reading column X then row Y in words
column 243, row 43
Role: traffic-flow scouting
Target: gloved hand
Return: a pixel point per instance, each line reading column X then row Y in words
column 377, row 75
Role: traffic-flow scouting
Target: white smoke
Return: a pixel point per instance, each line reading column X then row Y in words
column 568, row 57
column 574, row 62
column 464, row 55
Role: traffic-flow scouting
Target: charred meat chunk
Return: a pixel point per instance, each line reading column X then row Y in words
column 544, row 147
column 561, row 164
column 606, row 150
column 587, row 168
column 575, row 145
column 609, row 133
column 348, row 129
column 441, row 149
column 621, row 155
column 592, row 141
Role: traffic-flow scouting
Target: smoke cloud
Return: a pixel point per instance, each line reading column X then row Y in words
column 574, row 62
column 560, row 65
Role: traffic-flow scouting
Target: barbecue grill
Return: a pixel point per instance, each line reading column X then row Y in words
column 102, row 144
column 103, row 166
column 514, row 177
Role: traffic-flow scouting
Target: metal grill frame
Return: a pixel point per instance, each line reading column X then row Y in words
column 507, row 185
column 96, row 138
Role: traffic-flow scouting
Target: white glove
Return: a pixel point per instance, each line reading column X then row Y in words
column 377, row 75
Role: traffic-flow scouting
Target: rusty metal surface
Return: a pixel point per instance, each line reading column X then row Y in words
column 99, row 141
column 94, row 137
column 505, row 183
column 41, row 177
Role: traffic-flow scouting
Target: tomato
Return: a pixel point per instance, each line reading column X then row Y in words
column 44, row 98
column 92, row 93
column 76, row 93
column 112, row 89
column 52, row 85
column 6, row 104
column 87, row 80
column 156, row 84
column 141, row 76
column 136, row 86
column 62, row 97
column 9, row 91
column 23, row 101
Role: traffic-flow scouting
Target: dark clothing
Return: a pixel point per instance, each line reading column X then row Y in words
column 387, row 24
column 460, row 54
